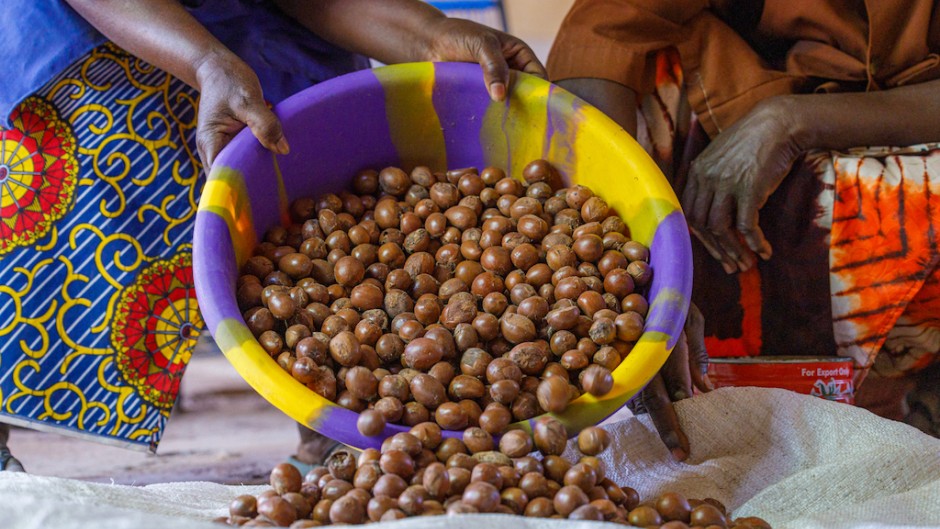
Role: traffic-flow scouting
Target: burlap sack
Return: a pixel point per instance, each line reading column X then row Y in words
column 798, row 462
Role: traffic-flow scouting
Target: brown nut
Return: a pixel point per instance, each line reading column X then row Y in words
column 451, row 416
column 540, row 508
column 428, row 433
column 378, row 506
column 586, row 512
column 515, row 443
column 436, row 481
column 514, row 498
column 555, row 467
column 367, row 475
column 525, row 407
column 397, row 462
column 517, row 328
column 629, row 326
column 286, row 478
column 421, row 354
column 349, row 271
column 644, row 516
column 347, row 510
column 371, row 422
column 551, row 436
column 569, row 498
column 412, row 499
column 391, row 485
column 594, row 210
column 495, row 420
column 406, row 442
column 344, row 349
column 593, row 440
column 361, row 383
column 366, row 297
column 477, row 439
column 597, row 380
column 278, row 510
column 482, row 496
column 707, row 514
column 245, row 505
column 504, row 391
column 552, row 394
column 672, row 506
column 531, row 357
column 428, row 391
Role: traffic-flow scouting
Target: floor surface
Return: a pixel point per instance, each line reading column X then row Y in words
column 222, row 431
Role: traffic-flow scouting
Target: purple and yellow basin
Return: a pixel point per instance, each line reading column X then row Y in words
column 437, row 115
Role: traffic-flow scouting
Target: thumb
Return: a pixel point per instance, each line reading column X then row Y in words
column 698, row 355
column 265, row 126
column 748, row 226
column 664, row 418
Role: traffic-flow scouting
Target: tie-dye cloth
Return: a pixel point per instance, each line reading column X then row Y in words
column 855, row 238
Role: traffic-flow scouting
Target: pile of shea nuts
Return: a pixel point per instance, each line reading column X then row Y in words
column 465, row 298
column 420, row 474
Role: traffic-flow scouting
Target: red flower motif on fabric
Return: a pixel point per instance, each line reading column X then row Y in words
column 38, row 173
column 155, row 327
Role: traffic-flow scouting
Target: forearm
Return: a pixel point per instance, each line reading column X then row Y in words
column 391, row 31
column 898, row 117
column 613, row 99
column 160, row 32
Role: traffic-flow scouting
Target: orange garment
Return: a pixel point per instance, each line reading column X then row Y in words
column 855, row 244
column 732, row 61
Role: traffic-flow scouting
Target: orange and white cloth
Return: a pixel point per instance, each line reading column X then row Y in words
column 855, row 237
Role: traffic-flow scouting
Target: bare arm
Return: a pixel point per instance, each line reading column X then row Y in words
column 902, row 116
column 160, row 32
column 733, row 178
column 613, row 99
column 394, row 31
column 164, row 34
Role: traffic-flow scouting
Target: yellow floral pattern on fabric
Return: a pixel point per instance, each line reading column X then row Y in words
column 38, row 172
column 98, row 316
column 155, row 329
column 117, row 141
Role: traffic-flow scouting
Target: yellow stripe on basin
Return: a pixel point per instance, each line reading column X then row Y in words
column 589, row 148
column 225, row 195
column 263, row 374
column 413, row 122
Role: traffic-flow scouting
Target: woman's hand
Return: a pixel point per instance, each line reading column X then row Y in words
column 164, row 34
column 454, row 39
column 229, row 99
column 396, row 31
column 684, row 371
column 733, row 178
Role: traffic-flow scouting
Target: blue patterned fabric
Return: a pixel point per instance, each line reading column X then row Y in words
column 43, row 37
column 99, row 180
column 97, row 305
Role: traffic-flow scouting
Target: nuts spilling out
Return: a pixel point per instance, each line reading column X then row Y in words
column 463, row 301
column 419, row 474
column 467, row 298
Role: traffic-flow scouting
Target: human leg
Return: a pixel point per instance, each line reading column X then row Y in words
column 7, row 461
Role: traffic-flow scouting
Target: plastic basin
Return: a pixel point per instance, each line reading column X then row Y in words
column 437, row 115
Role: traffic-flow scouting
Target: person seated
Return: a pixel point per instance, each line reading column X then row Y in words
column 802, row 139
column 116, row 110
